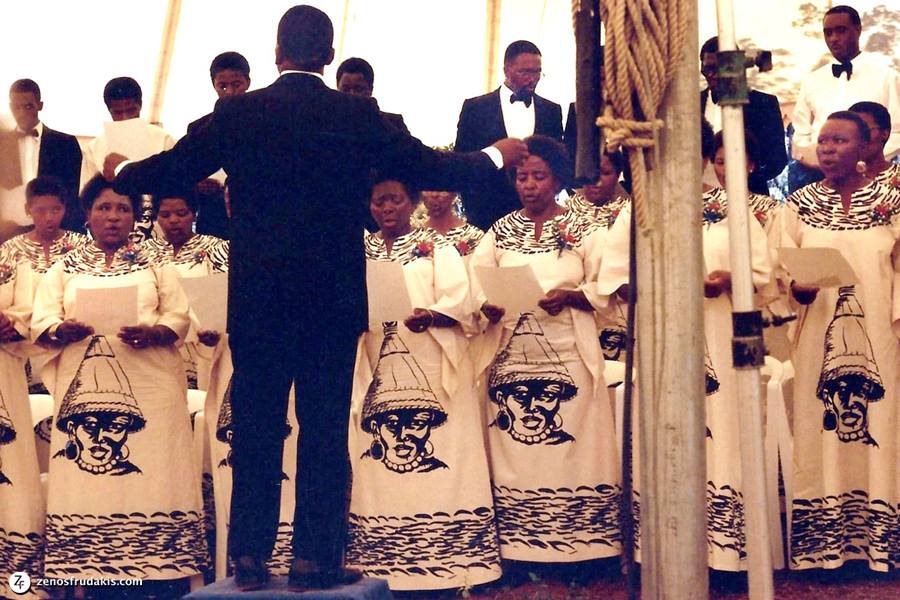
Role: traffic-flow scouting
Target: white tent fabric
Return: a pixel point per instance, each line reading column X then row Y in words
column 428, row 55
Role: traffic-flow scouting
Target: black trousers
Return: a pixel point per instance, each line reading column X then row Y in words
column 290, row 344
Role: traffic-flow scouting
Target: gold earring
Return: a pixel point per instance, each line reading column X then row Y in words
column 861, row 167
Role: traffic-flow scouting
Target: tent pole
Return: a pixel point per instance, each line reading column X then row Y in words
column 166, row 50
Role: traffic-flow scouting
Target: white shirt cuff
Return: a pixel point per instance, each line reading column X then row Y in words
column 121, row 166
column 495, row 156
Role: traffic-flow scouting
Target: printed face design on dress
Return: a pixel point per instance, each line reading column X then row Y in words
column 533, row 407
column 850, row 379
column 404, row 434
column 612, row 343
column 100, row 440
column 7, row 436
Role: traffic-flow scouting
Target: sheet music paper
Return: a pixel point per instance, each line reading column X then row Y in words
column 12, row 206
column 107, row 310
column 514, row 289
column 821, row 267
column 208, row 297
column 130, row 138
column 388, row 294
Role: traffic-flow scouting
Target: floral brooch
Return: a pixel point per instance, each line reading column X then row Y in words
column 422, row 249
column 564, row 239
column 6, row 273
column 712, row 212
column 882, row 214
column 199, row 256
column 130, row 253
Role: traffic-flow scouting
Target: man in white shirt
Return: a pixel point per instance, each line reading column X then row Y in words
column 512, row 110
column 34, row 149
column 854, row 77
column 124, row 98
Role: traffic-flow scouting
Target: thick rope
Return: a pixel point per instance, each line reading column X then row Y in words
column 644, row 39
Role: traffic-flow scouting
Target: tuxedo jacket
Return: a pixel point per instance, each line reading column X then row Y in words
column 298, row 157
column 60, row 157
column 480, row 125
column 762, row 116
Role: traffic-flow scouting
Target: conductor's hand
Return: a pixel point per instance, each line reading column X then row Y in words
column 493, row 313
column 804, row 294
column 110, row 163
column 70, row 331
column 514, row 151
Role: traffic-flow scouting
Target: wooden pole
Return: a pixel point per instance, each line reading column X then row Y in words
column 671, row 351
column 588, row 95
column 491, row 40
column 166, row 50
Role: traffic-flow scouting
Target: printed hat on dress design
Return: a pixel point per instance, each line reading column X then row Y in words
column 398, row 383
column 7, row 431
column 100, row 386
column 528, row 356
column 848, row 352
column 224, row 422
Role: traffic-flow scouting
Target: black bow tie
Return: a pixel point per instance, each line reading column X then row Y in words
column 836, row 70
column 32, row 133
column 524, row 98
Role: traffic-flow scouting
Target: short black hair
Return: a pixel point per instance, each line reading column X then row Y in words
column 229, row 60
column 189, row 197
column 710, row 46
column 377, row 178
column 877, row 111
column 846, row 115
column 616, row 159
column 751, row 145
column 707, row 140
column 122, row 88
column 554, row 154
column 24, row 86
column 845, row 10
column 45, row 185
column 357, row 65
column 519, row 47
column 96, row 186
column 305, row 36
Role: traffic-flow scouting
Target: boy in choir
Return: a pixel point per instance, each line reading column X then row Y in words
column 230, row 76
column 124, row 99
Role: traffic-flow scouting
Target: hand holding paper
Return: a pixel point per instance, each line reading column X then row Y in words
column 106, row 310
column 388, row 294
column 208, row 298
column 514, row 289
column 818, row 267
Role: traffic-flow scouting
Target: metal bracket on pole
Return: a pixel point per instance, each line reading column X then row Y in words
column 747, row 348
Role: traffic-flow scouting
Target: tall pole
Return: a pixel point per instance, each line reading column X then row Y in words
column 671, row 350
column 588, row 94
column 166, row 50
column 491, row 44
column 748, row 350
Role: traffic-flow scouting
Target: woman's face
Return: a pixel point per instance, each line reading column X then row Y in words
column 439, row 204
column 100, row 437
column 536, row 185
column 391, row 208
column 111, row 219
column 404, row 433
column 176, row 220
column 840, row 147
column 719, row 166
column 47, row 212
column 605, row 188
column 875, row 148
column 533, row 407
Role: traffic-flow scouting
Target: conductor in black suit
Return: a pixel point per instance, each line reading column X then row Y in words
column 762, row 116
column 512, row 110
column 42, row 151
column 298, row 156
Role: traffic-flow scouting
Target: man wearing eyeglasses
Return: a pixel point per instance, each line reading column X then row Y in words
column 513, row 109
column 762, row 116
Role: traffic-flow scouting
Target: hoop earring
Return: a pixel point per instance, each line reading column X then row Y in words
column 71, row 450
column 503, row 420
column 124, row 453
column 376, row 450
column 829, row 420
column 429, row 449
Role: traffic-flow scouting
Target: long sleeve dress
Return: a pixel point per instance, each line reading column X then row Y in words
column 124, row 495
column 847, row 363
column 724, row 498
column 200, row 256
column 551, row 437
column 21, row 502
column 421, row 513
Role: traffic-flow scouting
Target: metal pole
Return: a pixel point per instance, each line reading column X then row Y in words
column 670, row 351
column 748, row 347
column 167, row 48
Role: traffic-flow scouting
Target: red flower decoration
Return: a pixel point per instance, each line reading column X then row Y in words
column 895, row 181
column 462, row 246
column 423, row 249
column 882, row 214
column 199, row 256
column 6, row 273
column 564, row 239
column 613, row 215
column 761, row 217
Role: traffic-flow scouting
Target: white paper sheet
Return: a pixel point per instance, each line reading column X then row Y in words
column 821, row 267
column 107, row 309
column 208, row 297
column 12, row 206
column 388, row 294
column 514, row 289
column 129, row 138
column 219, row 176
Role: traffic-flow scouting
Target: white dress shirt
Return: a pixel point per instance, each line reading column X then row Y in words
column 29, row 152
column 712, row 112
column 518, row 118
column 822, row 94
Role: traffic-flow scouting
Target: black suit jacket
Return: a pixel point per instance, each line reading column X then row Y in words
column 59, row 157
column 480, row 125
column 298, row 157
column 762, row 116
column 212, row 218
